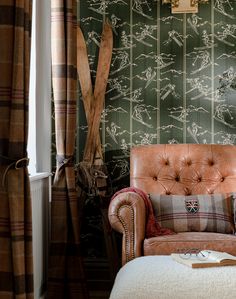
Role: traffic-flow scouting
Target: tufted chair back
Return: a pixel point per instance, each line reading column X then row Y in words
column 184, row 168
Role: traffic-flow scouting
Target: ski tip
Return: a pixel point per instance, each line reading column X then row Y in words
column 108, row 23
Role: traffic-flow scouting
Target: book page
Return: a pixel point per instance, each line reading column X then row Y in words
column 217, row 256
column 215, row 261
column 190, row 261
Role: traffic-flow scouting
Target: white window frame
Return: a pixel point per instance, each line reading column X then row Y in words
column 39, row 141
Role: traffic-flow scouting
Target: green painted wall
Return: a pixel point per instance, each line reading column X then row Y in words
column 171, row 80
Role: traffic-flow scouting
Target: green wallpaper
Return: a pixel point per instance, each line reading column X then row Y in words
column 172, row 77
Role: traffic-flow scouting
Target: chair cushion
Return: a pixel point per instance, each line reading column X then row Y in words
column 207, row 212
column 165, row 245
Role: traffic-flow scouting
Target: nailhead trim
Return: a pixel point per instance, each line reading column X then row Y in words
column 129, row 255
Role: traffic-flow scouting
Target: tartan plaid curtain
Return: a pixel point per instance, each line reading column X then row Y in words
column 66, row 273
column 16, row 266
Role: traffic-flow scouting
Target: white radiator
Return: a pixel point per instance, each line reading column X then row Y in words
column 40, row 194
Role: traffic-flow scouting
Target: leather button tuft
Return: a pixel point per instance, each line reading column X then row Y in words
column 222, row 179
column 167, row 162
column 168, row 192
column 187, row 191
column 199, row 179
column 211, row 163
column 177, row 178
column 189, row 162
column 154, row 178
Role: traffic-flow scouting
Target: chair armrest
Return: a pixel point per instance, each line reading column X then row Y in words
column 127, row 215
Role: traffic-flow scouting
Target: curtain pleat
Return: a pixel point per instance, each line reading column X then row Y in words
column 66, row 272
column 16, row 259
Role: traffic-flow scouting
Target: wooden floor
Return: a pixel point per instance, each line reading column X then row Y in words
column 99, row 294
column 98, row 278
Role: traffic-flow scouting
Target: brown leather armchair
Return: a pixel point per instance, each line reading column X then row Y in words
column 173, row 169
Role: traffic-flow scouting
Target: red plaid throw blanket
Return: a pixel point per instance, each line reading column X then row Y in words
column 153, row 229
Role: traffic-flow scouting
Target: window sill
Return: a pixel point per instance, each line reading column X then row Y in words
column 39, row 175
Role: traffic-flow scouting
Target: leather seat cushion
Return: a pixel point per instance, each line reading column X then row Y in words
column 165, row 245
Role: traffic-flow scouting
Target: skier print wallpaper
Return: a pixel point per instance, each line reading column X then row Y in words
column 172, row 76
column 172, row 80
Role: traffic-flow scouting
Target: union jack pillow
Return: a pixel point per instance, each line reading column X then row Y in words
column 200, row 213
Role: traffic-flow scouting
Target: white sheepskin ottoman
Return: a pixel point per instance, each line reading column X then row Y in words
column 159, row 277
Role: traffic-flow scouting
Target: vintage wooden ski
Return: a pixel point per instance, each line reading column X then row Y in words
column 86, row 83
column 92, row 169
column 103, row 68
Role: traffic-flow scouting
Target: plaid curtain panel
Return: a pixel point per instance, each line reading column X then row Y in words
column 16, row 261
column 207, row 212
column 66, row 272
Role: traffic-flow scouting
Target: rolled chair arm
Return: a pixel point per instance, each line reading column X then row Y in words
column 127, row 215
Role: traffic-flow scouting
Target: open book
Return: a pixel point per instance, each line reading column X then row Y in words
column 210, row 259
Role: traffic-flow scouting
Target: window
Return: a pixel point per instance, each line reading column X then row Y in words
column 39, row 140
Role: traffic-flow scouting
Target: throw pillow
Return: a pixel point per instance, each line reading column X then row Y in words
column 201, row 213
